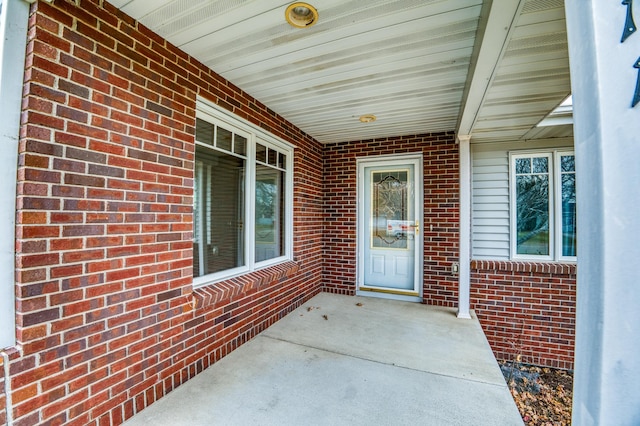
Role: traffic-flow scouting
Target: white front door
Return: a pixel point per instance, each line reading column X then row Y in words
column 389, row 227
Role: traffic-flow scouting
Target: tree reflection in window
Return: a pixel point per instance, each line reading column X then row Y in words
column 568, row 182
column 532, row 205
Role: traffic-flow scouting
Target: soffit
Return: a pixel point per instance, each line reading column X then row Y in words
column 531, row 79
column 405, row 61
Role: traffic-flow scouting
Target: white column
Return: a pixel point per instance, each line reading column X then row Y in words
column 607, row 145
column 464, row 274
column 13, row 40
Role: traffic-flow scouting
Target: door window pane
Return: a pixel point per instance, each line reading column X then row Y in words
column 532, row 206
column 390, row 205
column 219, row 212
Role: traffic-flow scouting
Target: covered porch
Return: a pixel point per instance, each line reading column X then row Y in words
column 108, row 147
column 349, row 360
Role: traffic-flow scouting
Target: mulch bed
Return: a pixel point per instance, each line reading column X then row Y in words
column 543, row 395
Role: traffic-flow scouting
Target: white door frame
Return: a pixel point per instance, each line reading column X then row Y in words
column 385, row 160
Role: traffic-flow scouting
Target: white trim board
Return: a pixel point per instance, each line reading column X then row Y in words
column 13, row 39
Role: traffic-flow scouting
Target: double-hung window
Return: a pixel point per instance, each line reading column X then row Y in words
column 242, row 198
column 543, row 207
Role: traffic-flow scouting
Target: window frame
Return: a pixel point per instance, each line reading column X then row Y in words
column 284, row 183
column 555, row 206
column 213, row 114
column 558, row 211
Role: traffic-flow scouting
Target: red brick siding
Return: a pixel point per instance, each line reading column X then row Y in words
column 440, row 222
column 108, row 320
column 105, row 304
column 3, row 401
column 527, row 309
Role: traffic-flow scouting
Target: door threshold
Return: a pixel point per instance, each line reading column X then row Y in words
column 406, row 296
column 390, row 291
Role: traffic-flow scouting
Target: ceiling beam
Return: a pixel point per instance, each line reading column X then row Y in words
column 497, row 22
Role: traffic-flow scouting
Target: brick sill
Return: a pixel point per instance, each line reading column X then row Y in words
column 222, row 292
column 554, row 268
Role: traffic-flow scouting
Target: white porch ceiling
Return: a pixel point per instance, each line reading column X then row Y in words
column 405, row 61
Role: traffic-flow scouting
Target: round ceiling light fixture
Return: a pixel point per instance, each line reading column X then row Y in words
column 367, row 118
column 301, row 15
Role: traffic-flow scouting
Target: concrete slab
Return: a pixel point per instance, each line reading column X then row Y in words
column 380, row 363
column 412, row 335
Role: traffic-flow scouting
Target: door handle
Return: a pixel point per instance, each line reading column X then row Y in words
column 417, row 226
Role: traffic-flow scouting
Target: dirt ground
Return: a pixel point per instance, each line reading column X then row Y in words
column 543, row 395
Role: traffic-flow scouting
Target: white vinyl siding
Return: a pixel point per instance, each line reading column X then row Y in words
column 490, row 205
column 490, row 216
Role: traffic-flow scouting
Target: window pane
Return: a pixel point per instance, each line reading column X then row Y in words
column 568, row 205
column 240, row 145
column 273, row 157
column 532, row 215
column 223, row 139
column 219, row 212
column 523, row 165
column 568, row 163
column 390, row 211
column 282, row 160
column 204, row 132
column 196, row 218
column 261, row 153
column 540, row 165
column 269, row 236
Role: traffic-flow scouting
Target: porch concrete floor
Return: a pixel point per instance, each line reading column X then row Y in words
column 381, row 363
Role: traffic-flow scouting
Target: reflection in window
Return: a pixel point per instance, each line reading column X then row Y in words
column 239, row 180
column 568, row 207
column 218, row 212
column 532, row 205
column 390, row 209
column 541, row 181
column 269, row 213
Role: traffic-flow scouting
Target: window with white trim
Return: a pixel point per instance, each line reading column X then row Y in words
column 242, row 198
column 543, row 207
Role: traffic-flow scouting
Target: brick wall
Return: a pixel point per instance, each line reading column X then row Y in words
column 3, row 399
column 524, row 308
column 108, row 320
column 527, row 309
column 440, row 222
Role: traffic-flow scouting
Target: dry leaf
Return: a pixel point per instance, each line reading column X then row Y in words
column 542, row 395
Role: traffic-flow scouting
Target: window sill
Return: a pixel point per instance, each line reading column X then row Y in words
column 555, row 268
column 222, row 292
